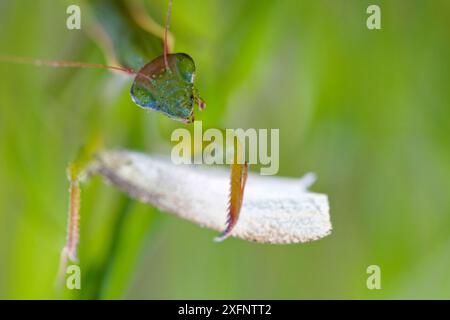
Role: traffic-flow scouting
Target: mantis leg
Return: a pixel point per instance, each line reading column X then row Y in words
column 238, row 179
column 75, row 173
column 69, row 251
column 237, row 186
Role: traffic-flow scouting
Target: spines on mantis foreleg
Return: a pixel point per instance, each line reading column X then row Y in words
column 238, row 180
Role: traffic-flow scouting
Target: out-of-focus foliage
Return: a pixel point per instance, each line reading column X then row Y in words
column 368, row 111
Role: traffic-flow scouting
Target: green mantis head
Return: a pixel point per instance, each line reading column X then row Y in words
column 170, row 91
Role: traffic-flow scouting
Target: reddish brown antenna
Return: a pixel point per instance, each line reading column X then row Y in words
column 75, row 64
column 166, row 30
column 63, row 64
column 69, row 64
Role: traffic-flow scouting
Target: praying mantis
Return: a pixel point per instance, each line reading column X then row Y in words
column 164, row 84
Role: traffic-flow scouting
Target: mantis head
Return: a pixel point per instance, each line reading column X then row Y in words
column 168, row 87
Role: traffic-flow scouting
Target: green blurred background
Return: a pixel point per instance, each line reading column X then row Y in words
column 368, row 111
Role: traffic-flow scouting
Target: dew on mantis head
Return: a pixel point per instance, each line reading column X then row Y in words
column 168, row 90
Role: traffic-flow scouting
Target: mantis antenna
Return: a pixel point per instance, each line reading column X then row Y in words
column 166, row 30
column 75, row 64
column 69, row 64
column 63, row 64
